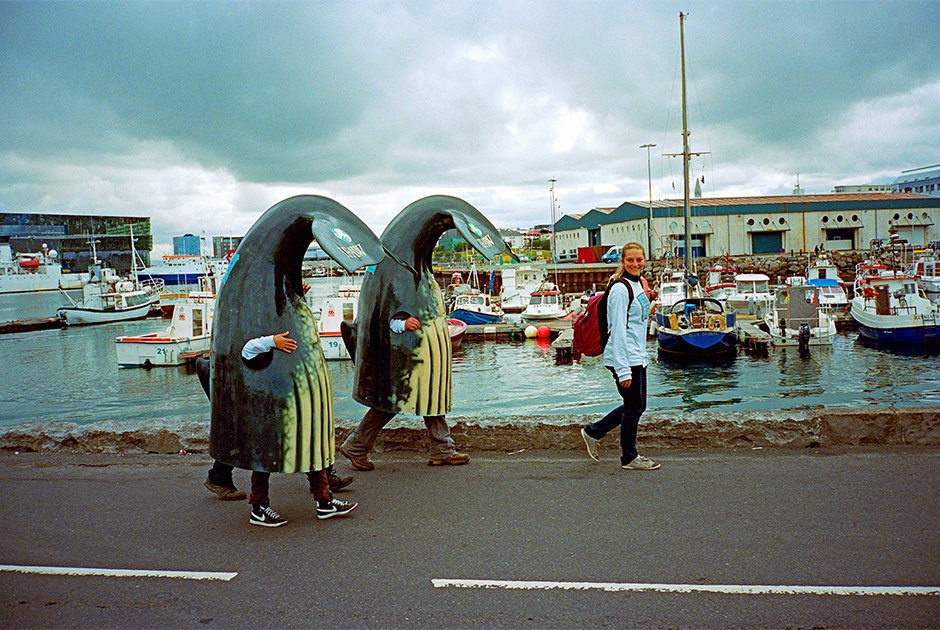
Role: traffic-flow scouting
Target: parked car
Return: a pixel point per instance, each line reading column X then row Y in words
column 612, row 255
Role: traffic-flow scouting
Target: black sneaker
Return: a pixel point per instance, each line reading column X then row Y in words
column 334, row 507
column 336, row 482
column 266, row 517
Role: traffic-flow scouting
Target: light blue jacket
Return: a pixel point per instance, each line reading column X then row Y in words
column 626, row 346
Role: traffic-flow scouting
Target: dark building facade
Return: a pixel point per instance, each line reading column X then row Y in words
column 74, row 237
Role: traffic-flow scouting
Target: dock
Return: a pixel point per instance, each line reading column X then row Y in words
column 27, row 325
column 752, row 338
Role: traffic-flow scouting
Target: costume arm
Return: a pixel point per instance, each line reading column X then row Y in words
column 257, row 346
column 400, row 322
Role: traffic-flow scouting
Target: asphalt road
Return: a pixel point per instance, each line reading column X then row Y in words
column 533, row 525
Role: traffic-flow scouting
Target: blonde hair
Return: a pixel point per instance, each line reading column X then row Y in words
column 623, row 254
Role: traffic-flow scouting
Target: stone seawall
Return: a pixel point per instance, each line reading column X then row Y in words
column 899, row 426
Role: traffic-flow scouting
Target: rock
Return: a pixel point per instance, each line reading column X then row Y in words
column 910, row 426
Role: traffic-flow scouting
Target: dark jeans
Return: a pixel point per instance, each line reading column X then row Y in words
column 626, row 416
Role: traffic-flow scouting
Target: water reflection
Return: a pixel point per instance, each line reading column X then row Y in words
column 684, row 386
column 72, row 375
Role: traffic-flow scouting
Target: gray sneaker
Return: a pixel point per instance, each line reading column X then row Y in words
column 591, row 444
column 641, row 463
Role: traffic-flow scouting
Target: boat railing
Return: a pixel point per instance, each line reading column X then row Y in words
column 153, row 286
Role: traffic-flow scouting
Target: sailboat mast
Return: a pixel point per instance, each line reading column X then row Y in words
column 686, row 155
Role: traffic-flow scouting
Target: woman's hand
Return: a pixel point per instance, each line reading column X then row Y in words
column 283, row 343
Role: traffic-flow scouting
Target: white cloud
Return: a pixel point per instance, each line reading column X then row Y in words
column 204, row 115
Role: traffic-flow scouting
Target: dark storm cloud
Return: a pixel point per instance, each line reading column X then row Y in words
column 218, row 109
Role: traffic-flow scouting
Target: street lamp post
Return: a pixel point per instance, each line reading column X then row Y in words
column 649, row 218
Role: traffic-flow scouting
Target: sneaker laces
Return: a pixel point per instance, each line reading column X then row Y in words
column 268, row 511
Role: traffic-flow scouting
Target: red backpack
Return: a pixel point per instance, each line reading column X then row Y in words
column 590, row 329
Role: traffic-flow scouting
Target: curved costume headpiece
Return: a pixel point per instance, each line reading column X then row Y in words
column 410, row 372
column 278, row 416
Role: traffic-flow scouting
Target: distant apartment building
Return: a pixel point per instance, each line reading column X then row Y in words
column 188, row 245
column 222, row 245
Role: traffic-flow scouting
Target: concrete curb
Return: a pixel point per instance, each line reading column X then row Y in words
column 900, row 426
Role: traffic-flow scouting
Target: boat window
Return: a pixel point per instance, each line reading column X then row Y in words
column 476, row 300
column 197, row 322
column 348, row 311
column 551, row 299
column 536, row 299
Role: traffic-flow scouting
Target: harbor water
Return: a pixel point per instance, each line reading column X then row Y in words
column 71, row 375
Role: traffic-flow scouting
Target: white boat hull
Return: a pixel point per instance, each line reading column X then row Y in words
column 334, row 349
column 155, row 350
column 75, row 316
column 543, row 316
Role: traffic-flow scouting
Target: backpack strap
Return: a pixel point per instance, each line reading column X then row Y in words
column 625, row 283
column 602, row 307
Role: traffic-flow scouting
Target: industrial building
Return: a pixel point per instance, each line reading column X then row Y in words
column 925, row 181
column 755, row 225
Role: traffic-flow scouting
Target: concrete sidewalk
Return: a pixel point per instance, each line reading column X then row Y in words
column 537, row 521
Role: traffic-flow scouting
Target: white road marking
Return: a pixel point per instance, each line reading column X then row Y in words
column 179, row 575
column 733, row 589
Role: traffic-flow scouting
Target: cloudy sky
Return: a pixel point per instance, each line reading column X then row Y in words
column 202, row 115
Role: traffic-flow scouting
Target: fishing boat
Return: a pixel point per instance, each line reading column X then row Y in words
column 926, row 267
column 336, row 309
column 823, row 273
column 190, row 331
column 799, row 318
column 208, row 288
column 184, row 270
column 23, row 273
column 751, row 296
column 518, row 284
column 107, row 297
column 890, row 307
column 670, row 289
column 695, row 326
column 545, row 303
column 720, row 283
column 457, row 330
column 475, row 308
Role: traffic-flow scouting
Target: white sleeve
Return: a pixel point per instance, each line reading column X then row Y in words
column 257, row 346
column 397, row 325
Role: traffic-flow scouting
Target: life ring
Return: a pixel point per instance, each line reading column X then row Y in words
column 715, row 322
column 111, row 289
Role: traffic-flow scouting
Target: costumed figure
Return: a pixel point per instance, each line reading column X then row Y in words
column 272, row 412
column 400, row 341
